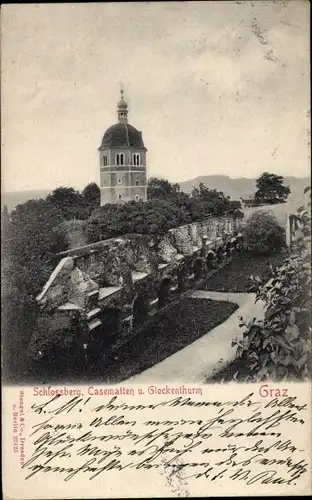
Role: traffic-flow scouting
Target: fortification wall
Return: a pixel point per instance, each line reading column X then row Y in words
column 132, row 276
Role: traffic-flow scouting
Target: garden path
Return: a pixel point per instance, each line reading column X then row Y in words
column 212, row 352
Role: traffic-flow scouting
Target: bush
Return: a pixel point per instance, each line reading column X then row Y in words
column 263, row 233
column 279, row 346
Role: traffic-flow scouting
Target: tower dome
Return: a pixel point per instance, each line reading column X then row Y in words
column 122, row 135
column 122, row 103
column 122, row 109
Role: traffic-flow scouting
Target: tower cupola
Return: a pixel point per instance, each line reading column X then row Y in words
column 122, row 109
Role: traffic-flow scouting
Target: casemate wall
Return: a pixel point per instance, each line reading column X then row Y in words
column 116, row 285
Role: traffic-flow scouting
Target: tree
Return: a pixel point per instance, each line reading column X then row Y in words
column 193, row 208
column 33, row 234
column 270, row 189
column 70, row 202
column 215, row 202
column 159, row 188
column 151, row 217
column 92, row 196
column 5, row 218
column 263, row 233
column 235, row 209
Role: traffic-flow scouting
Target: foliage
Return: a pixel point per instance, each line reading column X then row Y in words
column 151, row 217
column 215, row 202
column 50, row 331
column 75, row 233
column 5, row 219
column 262, row 233
column 270, row 189
column 159, row 188
column 169, row 207
column 70, row 202
column 33, row 234
column 92, row 196
column 55, row 348
column 236, row 275
column 279, row 346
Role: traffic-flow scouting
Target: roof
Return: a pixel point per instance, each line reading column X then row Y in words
column 122, row 134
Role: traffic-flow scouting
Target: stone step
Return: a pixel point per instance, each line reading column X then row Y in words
column 93, row 312
column 137, row 276
column 95, row 323
column 93, row 298
column 163, row 265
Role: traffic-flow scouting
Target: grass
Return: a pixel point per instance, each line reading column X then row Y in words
column 235, row 276
column 178, row 327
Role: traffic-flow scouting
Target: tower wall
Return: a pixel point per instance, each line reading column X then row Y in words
column 113, row 193
column 124, row 178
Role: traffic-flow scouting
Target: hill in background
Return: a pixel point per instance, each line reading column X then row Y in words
column 234, row 188
column 243, row 187
column 11, row 199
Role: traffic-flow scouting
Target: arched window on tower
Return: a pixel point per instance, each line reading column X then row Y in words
column 136, row 159
column 105, row 161
column 120, row 159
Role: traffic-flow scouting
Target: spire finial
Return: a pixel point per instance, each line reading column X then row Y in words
column 122, row 108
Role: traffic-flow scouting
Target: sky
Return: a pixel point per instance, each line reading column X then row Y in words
column 217, row 88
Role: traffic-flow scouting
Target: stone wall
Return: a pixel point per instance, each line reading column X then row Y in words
column 120, row 273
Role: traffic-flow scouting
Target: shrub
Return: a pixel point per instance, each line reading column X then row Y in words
column 262, row 233
column 279, row 346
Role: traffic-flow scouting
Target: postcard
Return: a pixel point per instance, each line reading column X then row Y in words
column 156, row 250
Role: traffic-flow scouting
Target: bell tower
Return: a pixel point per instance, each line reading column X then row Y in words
column 122, row 161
